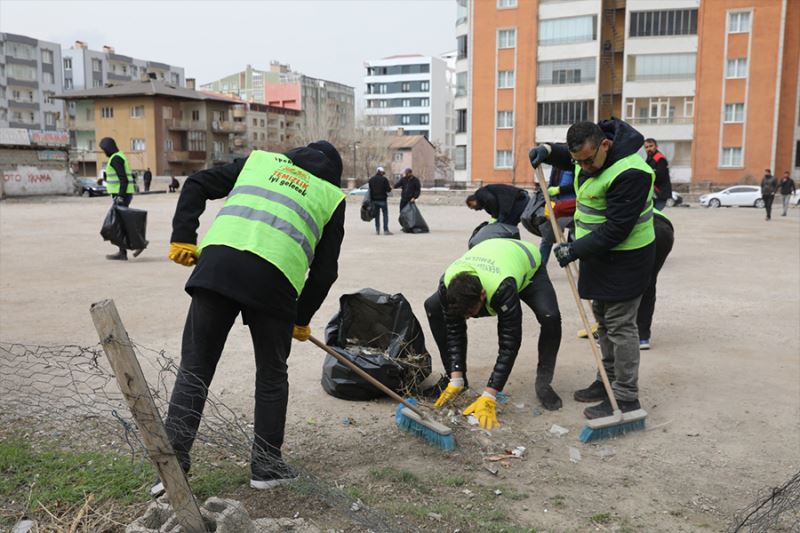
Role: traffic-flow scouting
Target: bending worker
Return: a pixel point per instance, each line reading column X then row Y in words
column 614, row 242
column 504, row 203
column 283, row 218
column 493, row 278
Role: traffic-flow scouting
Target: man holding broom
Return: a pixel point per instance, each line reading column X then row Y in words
column 615, row 244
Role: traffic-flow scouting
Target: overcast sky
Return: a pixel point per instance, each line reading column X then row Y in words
column 211, row 39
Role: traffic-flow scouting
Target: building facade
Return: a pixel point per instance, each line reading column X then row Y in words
column 271, row 128
column 30, row 77
column 247, row 85
column 462, row 94
column 415, row 152
column 412, row 94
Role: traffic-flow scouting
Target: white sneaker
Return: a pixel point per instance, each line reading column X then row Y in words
column 157, row 489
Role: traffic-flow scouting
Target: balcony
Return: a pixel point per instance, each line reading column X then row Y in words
column 176, row 156
column 219, row 157
column 228, row 127
column 660, row 120
column 185, row 125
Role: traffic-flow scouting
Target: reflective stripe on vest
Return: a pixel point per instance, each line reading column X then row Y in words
column 590, row 208
column 112, row 180
column 276, row 210
column 494, row 260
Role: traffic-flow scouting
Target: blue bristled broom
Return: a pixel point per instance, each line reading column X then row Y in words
column 618, row 423
column 408, row 416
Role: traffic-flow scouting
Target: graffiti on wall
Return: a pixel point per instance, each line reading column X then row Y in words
column 26, row 181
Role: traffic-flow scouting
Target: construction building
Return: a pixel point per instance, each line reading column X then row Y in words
column 30, row 77
column 528, row 69
column 172, row 130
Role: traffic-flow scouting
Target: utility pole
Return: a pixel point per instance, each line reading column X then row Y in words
column 355, row 172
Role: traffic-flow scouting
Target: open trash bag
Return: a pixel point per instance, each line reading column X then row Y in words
column 533, row 214
column 379, row 333
column 411, row 220
column 125, row 227
column 493, row 230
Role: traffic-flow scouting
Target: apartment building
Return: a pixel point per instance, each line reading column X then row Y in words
column 247, row 85
column 30, row 76
column 413, row 94
column 172, row 130
column 270, row 128
column 747, row 116
column 462, row 94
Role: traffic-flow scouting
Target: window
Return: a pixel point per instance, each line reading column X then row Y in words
column 568, row 30
column 406, row 102
column 175, row 78
column 262, row 123
column 650, row 67
column 68, row 83
column 124, row 69
column 736, row 68
column 134, row 71
column 67, row 63
column 505, row 119
column 731, row 157
column 503, row 159
column 21, row 51
column 425, row 86
column 505, row 79
column 506, row 38
column 97, row 65
column 22, row 72
column 47, row 57
column 197, row 141
column 734, row 113
column 564, row 113
column 663, row 23
column 382, row 88
column 739, row 22
column 405, row 87
column 168, row 145
column 48, row 97
column 167, row 111
column 424, row 119
column 461, row 121
column 461, row 43
column 688, row 107
column 138, row 145
column 97, row 83
column 50, row 119
column 196, row 116
column 566, row 72
column 424, row 102
column 405, row 119
column 137, row 111
column 461, row 158
column 398, row 156
column 47, row 77
column 506, row 4
column 461, row 84
column 107, row 112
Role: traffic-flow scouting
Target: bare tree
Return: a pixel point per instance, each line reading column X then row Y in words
column 442, row 163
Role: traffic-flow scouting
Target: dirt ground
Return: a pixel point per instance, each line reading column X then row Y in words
column 721, row 384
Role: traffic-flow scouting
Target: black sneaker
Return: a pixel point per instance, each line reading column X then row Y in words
column 595, row 392
column 604, row 408
column 117, row 257
column 550, row 400
column 280, row 474
column 433, row 392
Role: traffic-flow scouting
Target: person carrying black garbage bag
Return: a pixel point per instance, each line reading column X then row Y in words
column 493, row 279
column 410, row 186
column 504, row 203
column 119, row 184
column 615, row 242
column 272, row 255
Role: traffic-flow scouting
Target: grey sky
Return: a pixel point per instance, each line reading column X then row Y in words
column 210, row 39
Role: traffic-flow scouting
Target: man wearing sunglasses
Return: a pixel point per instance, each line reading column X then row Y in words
column 615, row 242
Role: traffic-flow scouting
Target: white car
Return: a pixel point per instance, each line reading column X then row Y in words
column 738, row 195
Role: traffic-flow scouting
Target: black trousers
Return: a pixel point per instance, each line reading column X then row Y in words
column 665, row 238
column 768, row 199
column 124, row 200
column 211, row 316
column 540, row 297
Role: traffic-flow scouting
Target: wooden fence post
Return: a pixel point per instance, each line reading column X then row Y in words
column 134, row 387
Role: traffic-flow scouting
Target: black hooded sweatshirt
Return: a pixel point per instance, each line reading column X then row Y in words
column 109, row 147
column 244, row 276
column 606, row 275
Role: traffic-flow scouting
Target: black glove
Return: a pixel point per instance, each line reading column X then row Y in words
column 564, row 254
column 538, row 154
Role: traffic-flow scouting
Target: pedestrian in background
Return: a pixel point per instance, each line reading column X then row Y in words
column 410, row 186
column 148, row 178
column 787, row 189
column 768, row 186
column 662, row 188
column 379, row 189
column 119, row 184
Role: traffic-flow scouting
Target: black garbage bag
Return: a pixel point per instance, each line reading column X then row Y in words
column 367, row 208
column 125, row 227
column 493, row 230
column 533, row 214
column 379, row 333
column 411, row 220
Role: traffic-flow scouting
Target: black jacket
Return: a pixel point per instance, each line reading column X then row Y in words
column 787, row 186
column 379, row 188
column 246, row 277
column 769, row 184
column 503, row 202
column 506, row 304
column 109, row 147
column 148, row 176
column 663, row 185
column 606, row 275
column 411, row 188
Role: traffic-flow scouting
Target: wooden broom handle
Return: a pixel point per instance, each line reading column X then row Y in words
column 572, row 285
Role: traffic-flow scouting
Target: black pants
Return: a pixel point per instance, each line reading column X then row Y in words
column 124, row 200
column 768, row 198
column 210, row 318
column 540, row 297
column 665, row 237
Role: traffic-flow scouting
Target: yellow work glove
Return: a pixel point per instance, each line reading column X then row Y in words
column 553, row 191
column 485, row 410
column 301, row 333
column 449, row 393
column 183, row 253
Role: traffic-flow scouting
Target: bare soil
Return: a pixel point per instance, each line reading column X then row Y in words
column 721, row 383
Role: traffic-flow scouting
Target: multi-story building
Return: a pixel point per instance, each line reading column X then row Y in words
column 462, row 95
column 247, row 85
column 172, row 130
column 412, row 93
column 271, row 128
column 30, row 76
column 747, row 117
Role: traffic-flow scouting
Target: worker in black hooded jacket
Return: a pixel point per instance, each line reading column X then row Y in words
column 119, row 184
column 504, row 203
column 615, row 244
column 283, row 218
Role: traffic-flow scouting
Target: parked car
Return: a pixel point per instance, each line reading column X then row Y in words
column 89, row 187
column 359, row 191
column 738, row 195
